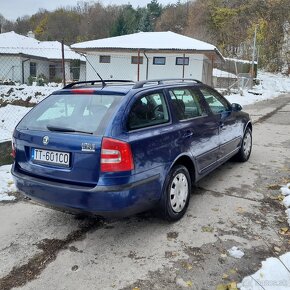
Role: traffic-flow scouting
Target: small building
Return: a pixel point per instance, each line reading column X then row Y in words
column 223, row 79
column 149, row 55
column 24, row 59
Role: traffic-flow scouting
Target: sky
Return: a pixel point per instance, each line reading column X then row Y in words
column 11, row 9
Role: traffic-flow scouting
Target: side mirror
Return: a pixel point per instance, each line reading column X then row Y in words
column 236, row 107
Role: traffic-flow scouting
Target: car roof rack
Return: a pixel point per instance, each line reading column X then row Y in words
column 102, row 82
column 141, row 84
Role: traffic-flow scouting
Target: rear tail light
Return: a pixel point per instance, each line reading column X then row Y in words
column 13, row 150
column 116, row 156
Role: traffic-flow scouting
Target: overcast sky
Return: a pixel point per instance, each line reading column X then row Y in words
column 11, row 9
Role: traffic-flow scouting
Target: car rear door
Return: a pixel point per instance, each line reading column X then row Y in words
column 150, row 132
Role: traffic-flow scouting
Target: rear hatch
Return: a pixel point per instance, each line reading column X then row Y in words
column 60, row 139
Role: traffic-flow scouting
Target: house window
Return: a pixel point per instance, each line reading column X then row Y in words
column 159, row 60
column 33, row 69
column 105, row 58
column 182, row 61
column 134, row 59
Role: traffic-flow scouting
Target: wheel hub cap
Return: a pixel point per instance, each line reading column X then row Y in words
column 178, row 192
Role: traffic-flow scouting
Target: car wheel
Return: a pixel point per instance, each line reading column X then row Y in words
column 175, row 198
column 246, row 147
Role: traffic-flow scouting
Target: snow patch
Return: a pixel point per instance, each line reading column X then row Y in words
column 285, row 190
column 235, row 252
column 271, row 86
column 288, row 215
column 273, row 275
column 10, row 116
column 286, row 201
column 6, row 197
column 32, row 94
column 6, row 183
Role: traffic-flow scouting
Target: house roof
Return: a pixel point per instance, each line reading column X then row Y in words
column 148, row 41
column 13, row 43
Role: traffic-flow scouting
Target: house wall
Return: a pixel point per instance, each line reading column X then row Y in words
column 207, row 72
column 120, row 66
column 82, row 72
column 42, row 67
column 17, row 68
column 10, row 68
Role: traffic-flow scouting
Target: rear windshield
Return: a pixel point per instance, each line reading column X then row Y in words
column 69, row 113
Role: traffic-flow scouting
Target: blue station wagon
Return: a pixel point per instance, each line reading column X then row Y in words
column 116, row 148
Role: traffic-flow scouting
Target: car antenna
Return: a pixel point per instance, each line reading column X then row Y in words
column 103, row 82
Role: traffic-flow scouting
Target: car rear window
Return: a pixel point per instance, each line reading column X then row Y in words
column 79, row 112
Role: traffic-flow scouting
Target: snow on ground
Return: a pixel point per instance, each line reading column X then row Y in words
column 33, row 94
column 285, row 190
column 273, row 275
column 9, row 117
column 6, row 183
column 236, row 252
column 271, row 86
column 275, row 272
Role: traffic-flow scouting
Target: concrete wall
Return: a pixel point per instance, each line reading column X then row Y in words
column 236, row 66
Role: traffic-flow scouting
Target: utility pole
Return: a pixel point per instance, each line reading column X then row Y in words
column 63, row 63
column 254, row 54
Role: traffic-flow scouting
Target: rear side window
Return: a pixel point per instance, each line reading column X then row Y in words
column 147, row 111
column 186, row 104
column 216, row 102
column 77, row 112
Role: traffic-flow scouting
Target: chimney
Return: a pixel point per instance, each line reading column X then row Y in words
column 31, row 34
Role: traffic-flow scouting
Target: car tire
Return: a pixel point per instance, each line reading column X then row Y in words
column 176, row 193
column 246, row 148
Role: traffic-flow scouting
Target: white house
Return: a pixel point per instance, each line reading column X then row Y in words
column 23, row 57
column 149, row 55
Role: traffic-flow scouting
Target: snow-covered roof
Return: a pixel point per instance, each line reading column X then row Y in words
column 148, row 41
column 239, row 60
column 13, row 43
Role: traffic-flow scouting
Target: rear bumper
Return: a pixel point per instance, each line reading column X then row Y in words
column 107, row 201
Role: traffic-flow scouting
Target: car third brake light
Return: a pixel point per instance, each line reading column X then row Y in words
column 116, row 156
column 82, row 91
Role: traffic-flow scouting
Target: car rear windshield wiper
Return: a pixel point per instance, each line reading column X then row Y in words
column 65, row 129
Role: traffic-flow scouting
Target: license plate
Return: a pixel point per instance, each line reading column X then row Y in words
column 52, row 157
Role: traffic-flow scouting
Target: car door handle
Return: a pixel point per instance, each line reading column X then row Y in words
column 188, row 134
